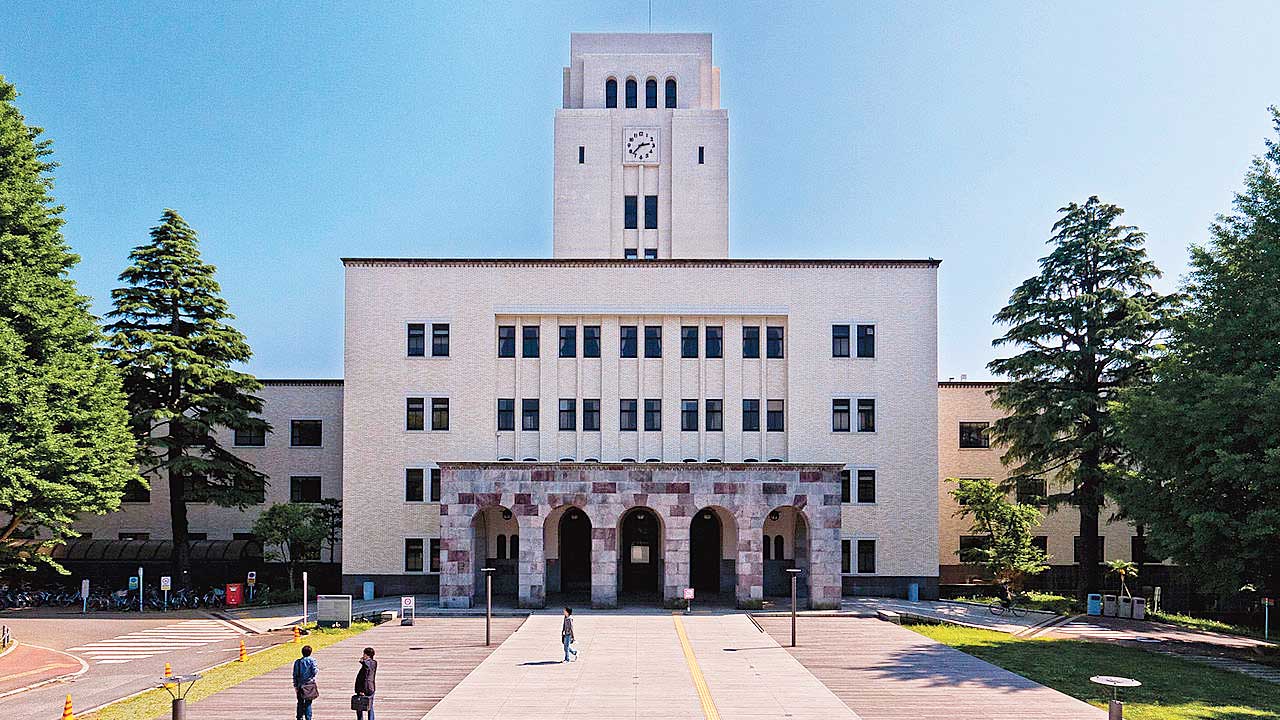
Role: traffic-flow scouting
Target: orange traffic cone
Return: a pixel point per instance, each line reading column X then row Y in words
column 66, row 710
column 168, row 671
column 243, row 655
column 297, row 636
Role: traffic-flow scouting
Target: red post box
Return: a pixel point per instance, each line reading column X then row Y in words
column 235, row 594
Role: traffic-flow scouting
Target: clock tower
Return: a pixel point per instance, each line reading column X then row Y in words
column 641, row 149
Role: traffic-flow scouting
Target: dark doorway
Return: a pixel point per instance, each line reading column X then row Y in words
column 704, row 554
column 641, row 556
column 575, row 553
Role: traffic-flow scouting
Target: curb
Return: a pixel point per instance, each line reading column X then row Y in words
column 84, row 668
column 12, row 646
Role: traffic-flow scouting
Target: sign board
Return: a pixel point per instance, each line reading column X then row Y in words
column 333, row 611
column 253, row 578
column 133, row 582
column 406, row 603
column 166, row 583
column 1268, row 601
column 688, row 593
column 84, row 588
column 407, row 613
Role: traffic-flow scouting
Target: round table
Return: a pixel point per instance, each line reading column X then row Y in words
column 1115, row 683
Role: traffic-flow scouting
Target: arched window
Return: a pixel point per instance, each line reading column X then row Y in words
column 611, row 93
column 631, row 92
column 671, row 92
column 502, row 547
column 651, row 93
column 515, row 547
column 778, row 554
column 768, row 548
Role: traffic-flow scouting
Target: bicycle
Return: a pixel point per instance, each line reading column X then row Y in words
column 1009, row 605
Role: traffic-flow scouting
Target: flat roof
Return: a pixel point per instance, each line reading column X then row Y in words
column 667, row 262
column 610, row 465
column 301, row 381
column 971, row 383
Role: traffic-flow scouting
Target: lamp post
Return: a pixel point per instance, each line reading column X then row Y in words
column 488, row 602
column 174, row 686
column 795, row 573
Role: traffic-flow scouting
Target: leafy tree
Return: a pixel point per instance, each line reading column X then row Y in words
column 65, row 446
column 290, row 532
column 329, row 515
column 1206, row 436
column 1123, row 569
column 175, row 350
column 1009, row 554
column 1085, row 328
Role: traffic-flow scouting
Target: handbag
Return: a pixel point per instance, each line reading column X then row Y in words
column 308, row 690
column 360, row 702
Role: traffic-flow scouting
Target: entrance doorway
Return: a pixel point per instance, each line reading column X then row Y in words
column 575, row 553
column 705, row 548
column 786, row 546
column 641, row 556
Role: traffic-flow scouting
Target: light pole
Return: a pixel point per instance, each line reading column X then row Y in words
column 795, row 573
column 488, row 602
column 174, row 686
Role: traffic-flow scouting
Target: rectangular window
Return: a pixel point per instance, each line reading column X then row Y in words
column 846, row 556
column 750, row 342
column 839, row 341
column 653, row 341
column 439, row 413
column 435, row 555
column 866, row 556
column 506, row 414
column 435, row 485
column 630, row 213
column 413, row 485
column 304, row 433
column 866, row 486
column 689, row 415
column 774, row 416
column 773, row 342
column 250, row 437
column 531, row 347
column 840, row 415
column 866, row 341
column 568, row 414
column 582, row 154
column 627, row 414
column 1102, row 554
column 650, row 253
column 529, row 414
column 415, row 413
column 304, row 489
column 1138, row 550
column 1041, row 543
column 715, row 415
column 590, row 341
column 506, row 341
column 846, row 492
column 440, row 340
column 413, row 555
column 653, row 415
column 974, row 435
column 629, row 254
column 650, row 212
column 134, row 492
column 568, row 341
column 970, row 547
column 591, row 415
column 1031, row 491
column 715, row 341
column 751, row 415
column 627, row 341
column 866, row 415
column 417, row 339
column 195, row 488
column 702, row 155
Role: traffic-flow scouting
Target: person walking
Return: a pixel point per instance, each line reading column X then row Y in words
column 304, row 683
column 566, row 634
column 365, row 685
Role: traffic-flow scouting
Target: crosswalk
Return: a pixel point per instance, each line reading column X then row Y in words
column 156, row 641
column 1088, row 630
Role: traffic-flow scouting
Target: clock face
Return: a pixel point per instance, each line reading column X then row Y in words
column 640, row 145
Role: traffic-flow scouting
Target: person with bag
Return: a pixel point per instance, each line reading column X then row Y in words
column 304, row 683
column 566, row 634
column 362, row 701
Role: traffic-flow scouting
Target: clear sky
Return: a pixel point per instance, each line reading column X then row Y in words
column 295, row 134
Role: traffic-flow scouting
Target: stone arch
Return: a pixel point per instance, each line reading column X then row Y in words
column 490, row 521
column 791, row 524
column 568, row 547
column 713, row 552
column 641, row 537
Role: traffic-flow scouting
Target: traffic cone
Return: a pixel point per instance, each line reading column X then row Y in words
column 66, row 710
column 297, row 636
column 243, row 656
column 168, row 671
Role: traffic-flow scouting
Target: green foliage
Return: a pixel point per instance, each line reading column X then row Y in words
column 1085, row 327
column 290, row 532
column 1124, row 570
column 1206, row 437
column 1033, row 600
column 65, row 446
column 1009, row 554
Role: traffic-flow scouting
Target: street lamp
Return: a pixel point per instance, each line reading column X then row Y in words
column 488, row 601
column 795, row 573
column 174, row 686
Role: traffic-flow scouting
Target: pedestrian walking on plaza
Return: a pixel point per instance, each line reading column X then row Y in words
column 566, row 634
column 362, row 701
column 304, row 683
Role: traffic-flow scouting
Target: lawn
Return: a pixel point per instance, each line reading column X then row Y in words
column 1172, row 688
column 1200, row 623
column 156, row 703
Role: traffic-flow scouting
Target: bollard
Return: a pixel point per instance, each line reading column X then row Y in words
column 243, row 655
column 1115, row 711
column 297, row 636
column 66, row 710
column 795, row 573
column 488, row 602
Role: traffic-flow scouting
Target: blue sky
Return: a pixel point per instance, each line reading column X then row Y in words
column 292, row 136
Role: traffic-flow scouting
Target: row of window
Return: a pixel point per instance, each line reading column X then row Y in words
column 582, row 155
column 421, row 485
column 302, row 489
column 631, row 88
column 439, row 339
column 413, row 554
column 861, row 490
column 1031, row 491
column 302, row 433
column 865, row 340
column 415, row 413
column 630, row 212
column 1137, row 547
column 628, row 415
column 840, row 415
column 863, row 552
column 629, row 341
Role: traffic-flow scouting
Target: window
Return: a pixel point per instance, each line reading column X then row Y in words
column 590, row 341
column 417, row 339
column 304, row 433
column 304, row 489
column 515, row 547
column 611, row 93
column 1079, row 550
column 653, row 341
column 1138, row 550
column 529, row 414
column 630, row 212
column 435, row 485
column 627, row 414
column 531, row 347
column 751, row 415
column 650, row 212
column 439, row 413
column 866, row 415
column 970, row 545
column 629, row 254
column 779, row 548
column 846, row 557
column 840, row 415
column 689, row 415
column 413, row 485
column 773, row 342
column 650, row 253
column 750, row 342
column 768, row 548
column 195, row 488
column 250, row 437
column 414, row 413
column 866, row 486
column 715, row 341
column 413, row 555
column 839, row 341
column 702, row 155
column 134, row 492
column 715, row 415
column 773, row 416
column 974, row 435
column 866, row 556
column 651, row 93
column 440, row 340
column 846, row 493
column 568, row 414
column 568, row 341
column 1031, row 491
column 507, row 341
column 866, row 341
column 435, row 555
column 506, row 414
column 631, row 92
column 671, row 92
column 653, row 415
column 627, row 342
column 582, row 154
column 591, row 415
column 502, row 547
column 1041, row 543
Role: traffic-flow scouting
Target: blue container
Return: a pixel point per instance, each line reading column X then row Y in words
column 368, row 590
column 1095, row 604
column 913, row 592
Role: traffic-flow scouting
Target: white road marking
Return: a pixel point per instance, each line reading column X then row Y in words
column 157, row 641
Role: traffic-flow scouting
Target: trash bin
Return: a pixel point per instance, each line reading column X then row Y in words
column 1095, row 604
column 1139, row 608
column 1126, row 607
column 368, row 590
column 1109, row 605
column 913, row 592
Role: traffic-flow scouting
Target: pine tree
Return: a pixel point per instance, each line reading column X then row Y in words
column 174, row 348
column 1085, row 328
column 65, row 446
column 1206, row 436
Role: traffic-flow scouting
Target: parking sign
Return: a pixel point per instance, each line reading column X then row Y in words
column 253, row 578
column 166, row 583
column 133, row 582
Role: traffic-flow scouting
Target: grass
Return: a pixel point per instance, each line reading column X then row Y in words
column 1172, row 688
column 156, row 703
column 1033, row 600
column 1199, row 623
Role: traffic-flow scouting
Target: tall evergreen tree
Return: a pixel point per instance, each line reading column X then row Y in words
column 1206, row 436
column 1084, row 328
column 175, row 350
column 65, row 446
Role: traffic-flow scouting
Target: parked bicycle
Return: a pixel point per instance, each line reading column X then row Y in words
column 1010, row 605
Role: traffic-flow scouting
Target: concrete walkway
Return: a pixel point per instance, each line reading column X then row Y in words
column 971, row 615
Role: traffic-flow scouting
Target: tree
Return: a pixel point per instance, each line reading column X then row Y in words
column 65, row 446
column 1205, row 438
column 174, row 348
column 1085, row 328
column 1009, row 553
column 1123, row 569
column 329, row 515
column 290, row 532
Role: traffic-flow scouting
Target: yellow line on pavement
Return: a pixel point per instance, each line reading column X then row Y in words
column 699, row 682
